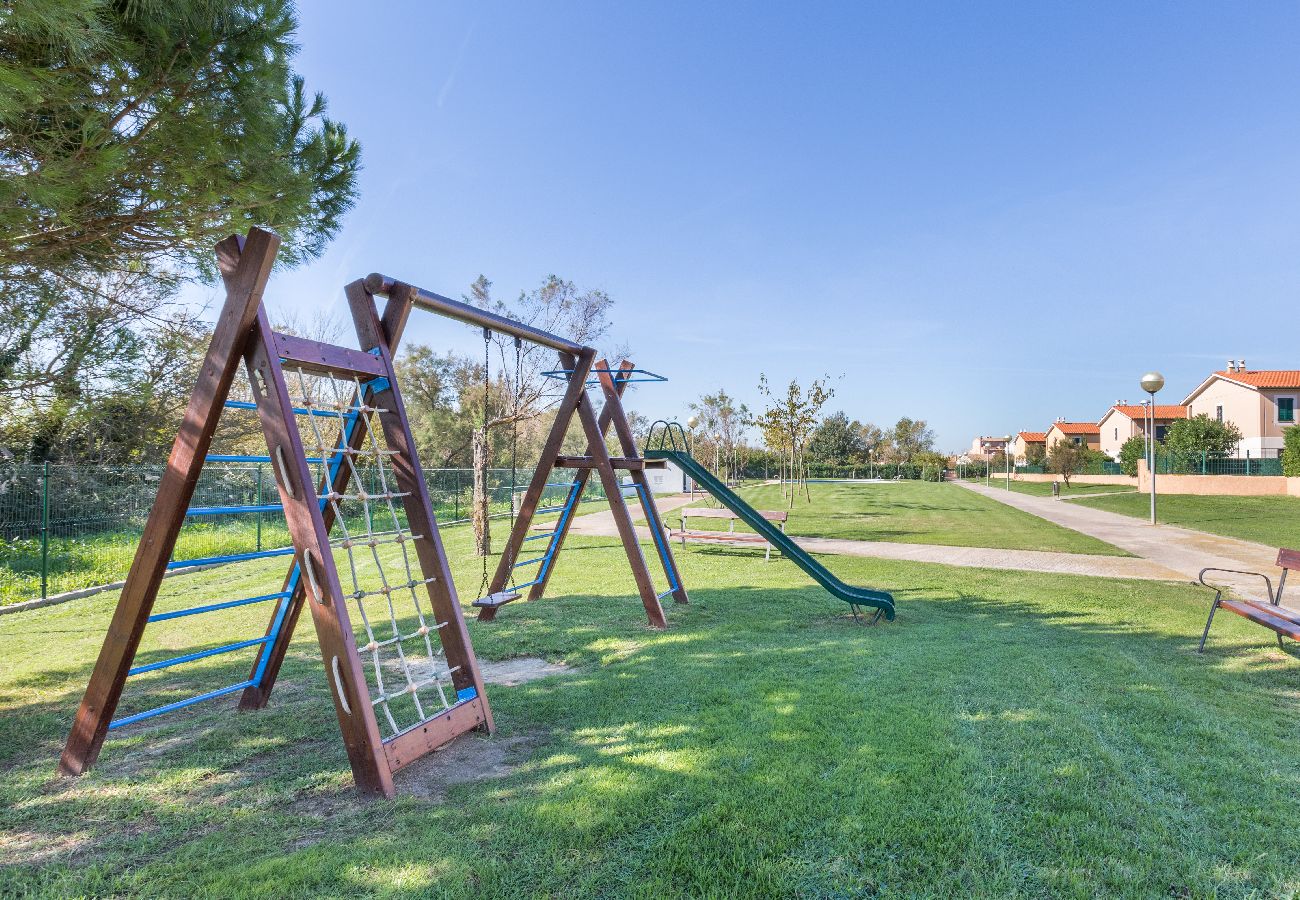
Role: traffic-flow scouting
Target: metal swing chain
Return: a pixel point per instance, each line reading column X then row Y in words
column 487, row 363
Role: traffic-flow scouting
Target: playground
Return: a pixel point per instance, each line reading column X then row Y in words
column 615, row 711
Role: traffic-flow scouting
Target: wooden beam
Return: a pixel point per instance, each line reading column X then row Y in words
column 453, row 633
column 396, row 312
column 315, row 558
column 626, row 440
column 628, row 463
column 622, row 516
column 324, row 359
column 245, row 265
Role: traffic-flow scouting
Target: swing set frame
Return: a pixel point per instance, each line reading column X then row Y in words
column 580, row 369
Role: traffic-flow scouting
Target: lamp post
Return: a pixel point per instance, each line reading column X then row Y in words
column 690, row 425
column 1152, row 382
column 1006, row 455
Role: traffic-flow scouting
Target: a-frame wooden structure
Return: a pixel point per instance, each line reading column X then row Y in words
column 580, row 369
column 243, row 332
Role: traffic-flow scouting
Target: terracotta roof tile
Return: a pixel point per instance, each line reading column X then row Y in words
column 1171, row 411
column 1077, row 427
column 1265, row 378
column 1032, row 437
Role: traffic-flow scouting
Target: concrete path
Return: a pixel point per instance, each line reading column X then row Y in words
column 1181, row 550
column 602, row 524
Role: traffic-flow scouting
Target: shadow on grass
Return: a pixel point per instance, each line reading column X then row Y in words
column 763, row 725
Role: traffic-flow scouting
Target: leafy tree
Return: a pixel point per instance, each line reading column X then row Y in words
column 719, row 428
column 134, row 136
column 1067, row 459
column 910, row 437
column 930, row 464
column 522, row 392
column 1291, row 453
column 788, row 422
column 1188, row 440
column 1036, row 455
column 837, row 441
column 1133, row 451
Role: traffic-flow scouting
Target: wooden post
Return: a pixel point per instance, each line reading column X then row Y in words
column 256, row 696
column 614, row 409
column 419, row 509
column 245, row 264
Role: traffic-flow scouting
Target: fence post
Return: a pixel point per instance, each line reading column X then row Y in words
column 259, row 503
column 45, row 530
column 456, row 516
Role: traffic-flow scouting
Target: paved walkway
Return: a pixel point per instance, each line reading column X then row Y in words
column 1181, row 550
column 602, row 524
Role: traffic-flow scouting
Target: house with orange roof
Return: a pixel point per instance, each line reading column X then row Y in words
column 1126, row 420
column 1026, row 440
column 1082, row 433
column 1260, row 402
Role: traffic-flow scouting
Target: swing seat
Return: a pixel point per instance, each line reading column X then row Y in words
column 497, row 600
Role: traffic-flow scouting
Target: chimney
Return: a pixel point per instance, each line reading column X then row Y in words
column 1241, row 365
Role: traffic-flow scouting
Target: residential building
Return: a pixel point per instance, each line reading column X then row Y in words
column 1082, row 433
column 1024, row 442
column 1260, row 402
column 1125, row 420
column 984, row 447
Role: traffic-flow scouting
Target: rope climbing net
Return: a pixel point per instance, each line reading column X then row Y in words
column 395, row 628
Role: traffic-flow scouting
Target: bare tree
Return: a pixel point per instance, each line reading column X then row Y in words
column 520, row 391
column 788, row 423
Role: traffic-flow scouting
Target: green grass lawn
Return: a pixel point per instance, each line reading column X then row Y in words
column 1044, row 488
column 914, row 512
column 1274, row 521
column 1008, row 735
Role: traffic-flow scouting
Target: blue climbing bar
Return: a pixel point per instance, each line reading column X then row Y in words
column 233, row 557
column 179, row 704
column 232, row 510
column 191, row 657
column 213, row 607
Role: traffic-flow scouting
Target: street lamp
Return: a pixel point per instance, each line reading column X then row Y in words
column 1006, row 455
column 1152, row 382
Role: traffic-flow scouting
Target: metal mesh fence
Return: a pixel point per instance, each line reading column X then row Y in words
column 65, row 527
column 1205, row 464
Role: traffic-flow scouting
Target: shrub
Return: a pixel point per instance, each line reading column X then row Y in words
column 1291, row 453
column 1133, row 451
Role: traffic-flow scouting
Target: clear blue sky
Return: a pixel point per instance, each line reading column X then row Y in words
column 984, row 215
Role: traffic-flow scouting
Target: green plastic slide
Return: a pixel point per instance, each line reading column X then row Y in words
column 855, row 596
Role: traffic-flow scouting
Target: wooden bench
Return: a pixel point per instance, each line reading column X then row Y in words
column 731, row 535
column 1272, row 615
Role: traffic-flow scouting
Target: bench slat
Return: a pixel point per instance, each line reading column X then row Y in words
column 708, row 512
column 1288, row 559
column 725, row 537
column 1271, row 620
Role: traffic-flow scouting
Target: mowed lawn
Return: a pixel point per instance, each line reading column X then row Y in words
column 1044, row 488
column 913, row 512
column 1008, row 735
column 1274, row 521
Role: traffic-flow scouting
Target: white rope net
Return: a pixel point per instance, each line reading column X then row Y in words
column 394, row 625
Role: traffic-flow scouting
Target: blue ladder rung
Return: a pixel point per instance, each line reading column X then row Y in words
column 179, row 704
column 551, row 509
column 520, row 587
column 529, row 562
column 320, row 413
column 670, row 590
column 563, row 484
column 232, row 510
column 234, row 557
column 229, row 604
column 244, row 458
column 191, row 657
column 538, row 537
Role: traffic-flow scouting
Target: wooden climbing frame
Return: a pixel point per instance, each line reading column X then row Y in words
column 436, row 696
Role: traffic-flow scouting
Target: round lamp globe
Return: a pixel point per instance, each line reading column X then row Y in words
column 1152, row 382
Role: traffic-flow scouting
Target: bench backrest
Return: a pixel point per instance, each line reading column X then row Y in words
column 706, row 512
column 1288, row 559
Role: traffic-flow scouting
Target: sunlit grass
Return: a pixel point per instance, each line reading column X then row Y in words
column 1009, row 735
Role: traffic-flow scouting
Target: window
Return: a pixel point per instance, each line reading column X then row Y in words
column 1160, row 432
column 1218, row 413
column 1117, row 432
column 1286, row 409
